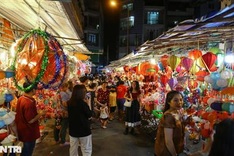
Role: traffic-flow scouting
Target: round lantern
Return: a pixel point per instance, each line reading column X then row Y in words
column 194, row 54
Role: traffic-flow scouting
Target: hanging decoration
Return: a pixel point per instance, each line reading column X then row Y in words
column 187, row 63
column 173, row 62
column 39, row 58
column 195, row 54
column 209, row 59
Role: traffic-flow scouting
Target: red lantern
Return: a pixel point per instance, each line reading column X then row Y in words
column 195, row 54
column 209, row 59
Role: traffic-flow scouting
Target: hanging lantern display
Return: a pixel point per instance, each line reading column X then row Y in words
column 195, row 54
column 173, row 61
column 187, row 63
column 146, row 68
column 39, row 58
column 209, row 59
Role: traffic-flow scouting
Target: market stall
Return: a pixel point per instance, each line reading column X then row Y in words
column 195, row 58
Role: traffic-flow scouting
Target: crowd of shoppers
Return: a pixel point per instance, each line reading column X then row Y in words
column 96, row 99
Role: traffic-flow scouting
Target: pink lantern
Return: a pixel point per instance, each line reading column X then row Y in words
column 187, row 63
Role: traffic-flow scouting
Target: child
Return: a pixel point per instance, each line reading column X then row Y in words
column 104, row 114
column 112, row 102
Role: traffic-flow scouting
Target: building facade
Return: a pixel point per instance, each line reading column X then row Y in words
column 93, row 29
column 142, row 20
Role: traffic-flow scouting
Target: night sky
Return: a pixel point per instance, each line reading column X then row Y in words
column 111, row 27
column 111, row 30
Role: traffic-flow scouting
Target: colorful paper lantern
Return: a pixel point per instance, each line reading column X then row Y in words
column 209, row 59
column 187, row 63
column 173, row 61
column 195, row 54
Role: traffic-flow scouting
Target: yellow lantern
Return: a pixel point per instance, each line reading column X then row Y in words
column 173, row 61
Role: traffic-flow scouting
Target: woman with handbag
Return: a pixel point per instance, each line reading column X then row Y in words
column 133, row 117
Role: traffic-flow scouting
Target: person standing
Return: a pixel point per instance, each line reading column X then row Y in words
column 79, row 116
column 65, row 95
column 133, row 117
column 223, row 143
column 102, row 95
column 121, row 91
column 171, row 129
column 113, row 102
column 26, row 120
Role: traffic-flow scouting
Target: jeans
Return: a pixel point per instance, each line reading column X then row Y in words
column 63, row 131
column 85, row 145
column 28, row 148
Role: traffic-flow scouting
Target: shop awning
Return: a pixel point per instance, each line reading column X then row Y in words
column 61, row 19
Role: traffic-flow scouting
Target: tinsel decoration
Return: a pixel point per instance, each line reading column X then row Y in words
column 39, row 59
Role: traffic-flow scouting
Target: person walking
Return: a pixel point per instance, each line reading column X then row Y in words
column 26, row 120
column 133, row 117
column 79, row 116
column 104, row 114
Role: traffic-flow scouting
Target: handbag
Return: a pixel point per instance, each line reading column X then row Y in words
column 127, row 103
